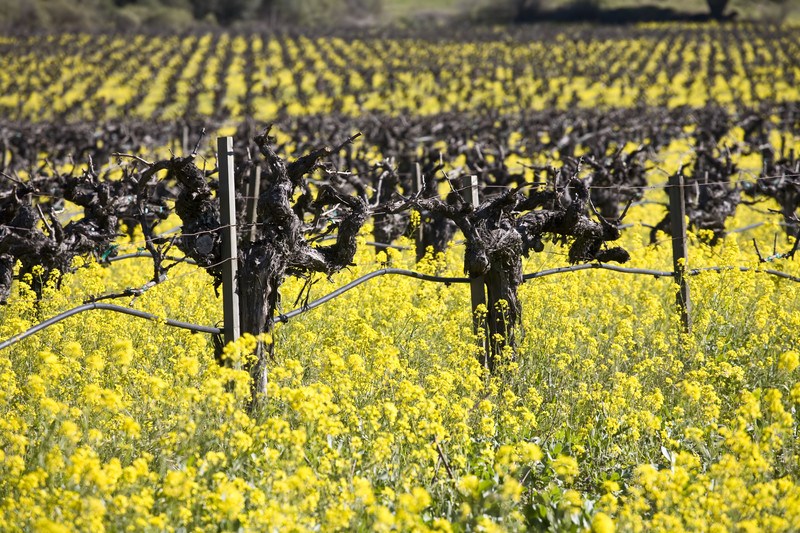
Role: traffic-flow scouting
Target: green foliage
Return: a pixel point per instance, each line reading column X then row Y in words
column 157, row 16
column 68, row 15
column 224, row 11
column 48, row 14
column 318, row 12
column 176, row 14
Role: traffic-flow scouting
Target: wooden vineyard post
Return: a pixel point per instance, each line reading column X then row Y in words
column 185, row 140
column 677, row 211
column 418, row 187
column 253, row 188
column 4, row 156
column 477, row 285
column 230, row 253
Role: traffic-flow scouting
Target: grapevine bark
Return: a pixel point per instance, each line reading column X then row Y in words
column 283, row 243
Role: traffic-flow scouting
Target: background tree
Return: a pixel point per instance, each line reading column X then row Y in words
column 224, row 11
column 717, row 8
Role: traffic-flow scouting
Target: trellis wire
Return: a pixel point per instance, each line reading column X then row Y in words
column 285, row 317
column 247, row 226
column 107, row 307
column 229, row 230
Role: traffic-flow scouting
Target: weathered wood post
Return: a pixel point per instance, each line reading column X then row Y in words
column 418, row 188
column 677, row 211
column 477, row 285
column 230, row 252
column 4, row 155
column 253, row 188
column 185, row 140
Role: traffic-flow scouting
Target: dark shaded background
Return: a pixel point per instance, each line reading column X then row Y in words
column 101, row 15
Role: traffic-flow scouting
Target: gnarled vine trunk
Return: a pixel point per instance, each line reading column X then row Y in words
column 505, row 228
column 283, row 240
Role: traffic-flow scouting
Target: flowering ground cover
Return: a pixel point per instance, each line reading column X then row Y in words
column 378, row 414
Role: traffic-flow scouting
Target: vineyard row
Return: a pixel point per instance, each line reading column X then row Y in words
column 266, row 76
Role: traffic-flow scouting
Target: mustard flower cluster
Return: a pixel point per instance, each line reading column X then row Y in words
column 380, row 417
column 235, row 76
